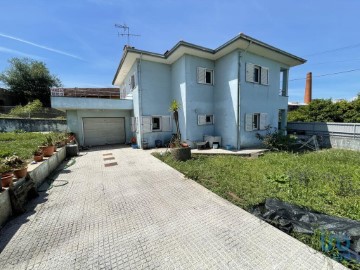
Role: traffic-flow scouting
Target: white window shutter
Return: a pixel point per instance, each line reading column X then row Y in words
column 249, row 72
column 264, row 75
column 201, row 119
column 249, row 122
column 263, row 120
column 201, row 75
column 133, row 124
column 146, row 124
column 166, row 123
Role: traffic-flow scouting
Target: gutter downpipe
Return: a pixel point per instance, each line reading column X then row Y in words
column 238, row 140
column 140, row 101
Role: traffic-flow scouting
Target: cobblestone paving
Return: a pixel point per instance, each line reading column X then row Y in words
column 142, row 214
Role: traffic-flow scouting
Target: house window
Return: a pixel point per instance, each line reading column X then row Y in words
column 205, row 119
column 256, row 77
column 156, row 120
column 132, row 82
column 205, row 76
column 257, row 74
column 283, row 82
column 256, row 121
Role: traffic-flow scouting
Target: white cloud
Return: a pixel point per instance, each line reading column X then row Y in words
column 41, row 46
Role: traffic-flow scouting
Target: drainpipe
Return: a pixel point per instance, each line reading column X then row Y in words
column 140, row 101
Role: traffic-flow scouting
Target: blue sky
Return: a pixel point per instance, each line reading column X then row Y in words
column 79, row 43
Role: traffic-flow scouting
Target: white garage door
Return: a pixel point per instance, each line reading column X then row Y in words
column 101, row 131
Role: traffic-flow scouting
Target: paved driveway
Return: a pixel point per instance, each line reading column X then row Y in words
column 142, row 214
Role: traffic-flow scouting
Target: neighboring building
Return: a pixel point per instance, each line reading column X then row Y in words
column 293, row 106
column 231, row 92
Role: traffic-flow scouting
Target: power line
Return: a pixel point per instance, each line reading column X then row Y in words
column 334, row 50
column 328, row 74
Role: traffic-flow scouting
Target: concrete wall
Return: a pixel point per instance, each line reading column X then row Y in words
column 32, row 125
column 335, row 135
column 156, row 96
column 75, row 121
column 257, row 98
column 199, row 99
column 178, row 92
column 225, row 98
column 38, row 173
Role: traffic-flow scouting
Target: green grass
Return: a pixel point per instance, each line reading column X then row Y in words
column 21, row 144
column 326, row 181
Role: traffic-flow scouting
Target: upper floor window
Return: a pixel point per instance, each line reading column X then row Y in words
column 132, row 82
column 257, row 74
column 283, row 82
column 205, row 75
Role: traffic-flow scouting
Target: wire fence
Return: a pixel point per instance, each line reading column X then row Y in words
column 43, row 113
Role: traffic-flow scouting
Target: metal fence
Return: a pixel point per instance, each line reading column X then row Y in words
column 349, row 130
column 43, row 113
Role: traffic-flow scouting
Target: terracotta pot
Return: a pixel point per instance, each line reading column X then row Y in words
column 48, row 151
column 38, row 158
column 6, row 179
column 20, row 173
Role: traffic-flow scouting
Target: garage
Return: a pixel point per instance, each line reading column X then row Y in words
column 101, row 130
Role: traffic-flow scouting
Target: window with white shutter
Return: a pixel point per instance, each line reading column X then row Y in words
column 146, row 122
column 205, row 76
column 255, row 121
column 134, row 124
column 166, row 123
column 205, row 119
column 257, row 74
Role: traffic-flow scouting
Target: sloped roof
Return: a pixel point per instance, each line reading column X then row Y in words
column 241, row 41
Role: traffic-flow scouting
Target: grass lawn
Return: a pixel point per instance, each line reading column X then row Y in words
column 327, row 181
column 21, row 144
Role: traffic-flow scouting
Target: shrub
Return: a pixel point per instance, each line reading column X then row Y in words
column 32, row 107
column 275, row 140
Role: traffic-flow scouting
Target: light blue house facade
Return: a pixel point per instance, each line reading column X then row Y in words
column 232, row 92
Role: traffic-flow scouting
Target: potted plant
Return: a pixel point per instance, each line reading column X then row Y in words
column 48, row 146
column 71, row 137
column 18, row 164
column 38, row 155
column 178, row 151
column 6, row 175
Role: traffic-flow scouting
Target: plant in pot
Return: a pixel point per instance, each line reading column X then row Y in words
column 6, row 175
column 48, row 146
column 18, row 164
column 71, row 137
column 38, row 155
column 178, row 151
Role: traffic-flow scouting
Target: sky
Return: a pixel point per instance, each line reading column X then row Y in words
column 79, row 43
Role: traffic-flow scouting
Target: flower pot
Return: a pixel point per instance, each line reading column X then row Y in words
column 48, row 151
column 181, row 153
column 38, row 158
column 6, row 179
column 20, row 173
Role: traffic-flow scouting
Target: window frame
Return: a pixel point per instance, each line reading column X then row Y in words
column 152, row 123
column 202, row 78
column 256, row 121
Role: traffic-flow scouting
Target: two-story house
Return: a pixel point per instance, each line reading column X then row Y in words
column 232, row 92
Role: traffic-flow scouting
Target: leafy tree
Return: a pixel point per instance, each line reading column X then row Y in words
column 29, row 80
column 324, row 110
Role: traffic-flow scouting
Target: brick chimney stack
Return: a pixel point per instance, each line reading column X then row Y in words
column 308, row 88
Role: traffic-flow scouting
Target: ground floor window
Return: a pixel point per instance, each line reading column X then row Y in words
column 156, row 123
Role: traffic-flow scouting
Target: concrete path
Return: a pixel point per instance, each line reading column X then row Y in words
column 139, row 213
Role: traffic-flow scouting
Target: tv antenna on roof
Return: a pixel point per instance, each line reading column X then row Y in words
column 126, row 32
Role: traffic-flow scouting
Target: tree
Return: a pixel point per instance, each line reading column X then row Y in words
column 29, row 80
column 174, row 108
column 324, row 110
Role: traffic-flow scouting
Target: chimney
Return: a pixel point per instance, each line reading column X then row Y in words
column 308, row 88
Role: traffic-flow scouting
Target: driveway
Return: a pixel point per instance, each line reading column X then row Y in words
column 138, row 213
